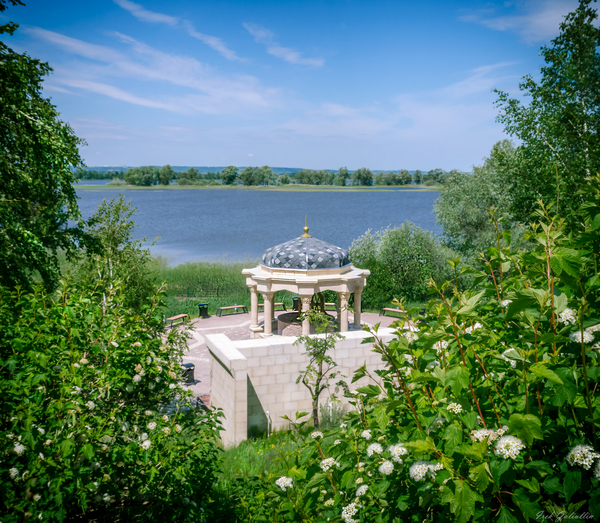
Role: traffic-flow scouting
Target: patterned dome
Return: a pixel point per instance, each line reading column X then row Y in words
column 305, row 253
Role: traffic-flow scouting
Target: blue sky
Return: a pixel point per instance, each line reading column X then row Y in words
column 313, row 84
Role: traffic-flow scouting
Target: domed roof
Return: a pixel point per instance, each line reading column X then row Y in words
column 305, row 252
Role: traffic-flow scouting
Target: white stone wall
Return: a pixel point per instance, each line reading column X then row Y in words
column 252, row 377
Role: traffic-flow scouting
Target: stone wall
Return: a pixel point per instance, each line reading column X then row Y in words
column 255, row 378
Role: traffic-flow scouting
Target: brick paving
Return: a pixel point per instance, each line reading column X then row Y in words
column 235, row 327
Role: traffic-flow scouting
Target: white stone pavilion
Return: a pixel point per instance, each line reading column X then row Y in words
column 305, row 266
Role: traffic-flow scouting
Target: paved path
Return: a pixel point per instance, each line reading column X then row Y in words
column 235, row 327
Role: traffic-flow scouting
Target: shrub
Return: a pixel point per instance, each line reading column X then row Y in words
column 487, row 410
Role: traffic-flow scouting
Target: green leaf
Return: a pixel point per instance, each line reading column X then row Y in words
column 529, row 508
column 440, row 374
column 481, row 475
column 571, row 483
column 453, row 435
column 544, row 372
column 317, row 479
column 370, row 390
column 552, row 485
column 506, row 516
column 531, row 485
column 381, row 417
column 463, row 502
column 526, row 427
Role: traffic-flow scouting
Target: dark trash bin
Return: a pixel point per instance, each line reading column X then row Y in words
column 203, row 310
column 295, row 300
column 188, row 372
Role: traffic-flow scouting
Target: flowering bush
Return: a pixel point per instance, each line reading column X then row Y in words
column 488, row 412
column 93, row 419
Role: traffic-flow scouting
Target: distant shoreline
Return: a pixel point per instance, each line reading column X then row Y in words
column 285, row 188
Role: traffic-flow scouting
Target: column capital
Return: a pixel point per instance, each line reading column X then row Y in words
column 268, row 295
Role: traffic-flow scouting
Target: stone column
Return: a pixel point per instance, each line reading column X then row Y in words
column 305, row 308
column 339, row 307
column 344, row 312
column 268, row 298
column 357, row 307
column 254, row 327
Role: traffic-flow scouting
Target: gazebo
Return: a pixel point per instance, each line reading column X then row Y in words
column 304, row 266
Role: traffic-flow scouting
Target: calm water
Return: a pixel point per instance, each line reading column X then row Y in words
column 235, row 224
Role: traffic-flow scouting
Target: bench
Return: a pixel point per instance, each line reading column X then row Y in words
column 275, row 305
column 231, row 308
column 173, row 319
column 395, row 311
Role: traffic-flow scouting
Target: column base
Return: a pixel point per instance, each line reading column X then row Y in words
column 256, row 331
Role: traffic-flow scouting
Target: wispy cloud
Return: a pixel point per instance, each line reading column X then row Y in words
column 264, row 36
column 533, row 20
column 144, row 15
column 203, row 90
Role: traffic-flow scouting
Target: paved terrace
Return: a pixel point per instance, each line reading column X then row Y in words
column 235, row 327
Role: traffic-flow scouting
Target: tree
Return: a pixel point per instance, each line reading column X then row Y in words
column 144, row 176
column 284, row 179
column 560, row 127
column 363, row 176
column 192, row 174
column 466, row 198
column 229, row 175
column 418, row 177
column 404, row 177
column 320, row 370
column 342, row 176
column 248, row 176
column 166, row 174
column 39, row 154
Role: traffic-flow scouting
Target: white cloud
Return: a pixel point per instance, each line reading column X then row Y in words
column 264, row 36
column 144, row 15
column 534, row 20
column 203, row 90
column 214, row 42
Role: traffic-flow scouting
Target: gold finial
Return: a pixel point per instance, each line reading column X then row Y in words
column 306, row 235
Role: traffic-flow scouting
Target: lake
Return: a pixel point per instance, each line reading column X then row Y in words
column 217, row 224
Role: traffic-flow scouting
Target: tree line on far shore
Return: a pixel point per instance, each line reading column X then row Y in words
column 253, row 176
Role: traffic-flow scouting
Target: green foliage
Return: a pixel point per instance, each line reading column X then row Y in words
column 229, row 175
column 560, row 127
column 465, row 199
column 144, row 176
column 92, row 419
column 362, row 176
column 116, row 256
column 39, row 153
column 486, row 409
column 166, row 174
column 401, row 261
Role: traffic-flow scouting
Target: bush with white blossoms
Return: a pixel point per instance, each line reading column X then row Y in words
column 72, row 403
column 521, row 444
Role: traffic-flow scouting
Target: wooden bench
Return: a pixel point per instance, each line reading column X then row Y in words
column 395, row 311
column 282, row 305
column 232, row 308
column 175, row 318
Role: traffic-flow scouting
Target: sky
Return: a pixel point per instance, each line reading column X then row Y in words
column 317, row 84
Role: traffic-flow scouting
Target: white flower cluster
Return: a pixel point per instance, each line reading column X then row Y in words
column 437, row 423
column 19, row 448
column 329, row 503
column 505, row 303
column 284, row 483
column 386, row 468
column 14, row 473
column 316, row 434
column 587, row 337
column 440, row 346
column 327, row 463
column 146, row 444
column 374, row 448
column 474, row 327
column 582, row 455
column 349, row 511
column 597, row 470
column 593, row 328
column 366, row 434
column 568, row 316
column 421, row 469
column 455, row 407
column 151, row 425
column 509, row 447
column 397, row 451
column 482, row 434
column 337, row 442
column 362, row 490
column 410, row 336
